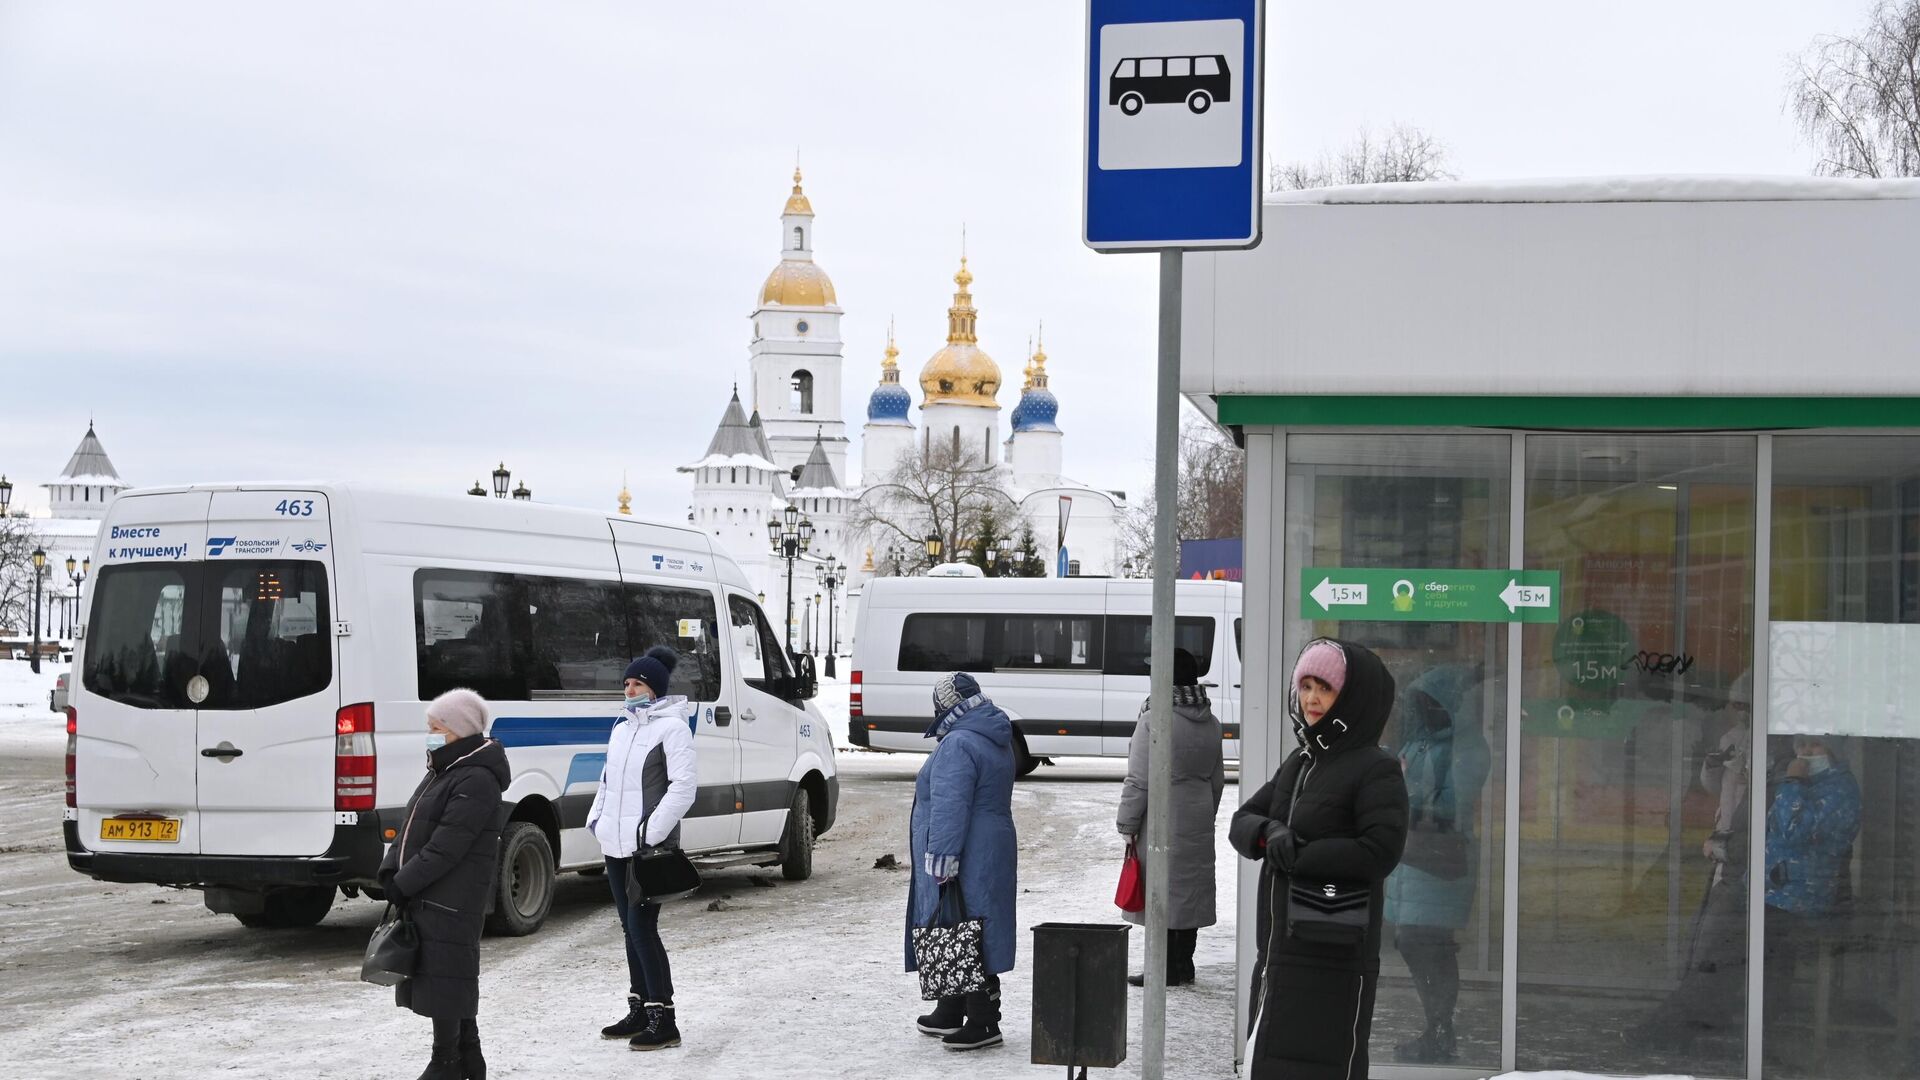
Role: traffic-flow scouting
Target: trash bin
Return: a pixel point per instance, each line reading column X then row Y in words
column 1080, row 995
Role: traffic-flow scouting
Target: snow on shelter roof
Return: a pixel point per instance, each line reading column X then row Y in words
column 1605, row 189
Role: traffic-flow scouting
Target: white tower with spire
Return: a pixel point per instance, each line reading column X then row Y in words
column 87, row 483
column 1034, row 448
column 796, row 350
column 736, row 485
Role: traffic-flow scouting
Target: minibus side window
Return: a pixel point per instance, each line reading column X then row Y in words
column 579, row 635
column 682, row 620
column 1049, row 642
column 1128, row 642
column 762, row 662
column 1206, row 65
column 471, row 629
column 946, row 642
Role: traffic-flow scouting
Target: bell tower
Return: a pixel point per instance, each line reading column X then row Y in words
column 795, row 352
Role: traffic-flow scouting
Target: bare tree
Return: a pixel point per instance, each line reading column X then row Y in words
column 17, row 543
column 932, row 492
column 1212, row 484
column 1405, row 154
column 1857, row 98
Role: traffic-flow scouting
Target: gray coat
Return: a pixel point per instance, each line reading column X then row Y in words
column 1199, row 776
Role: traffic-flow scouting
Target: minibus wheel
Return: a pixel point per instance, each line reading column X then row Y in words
column 1199, row 101
column 523, row 892
column 1023, row 762
column 796, row 843
column 289, row 909
column 1131, row 103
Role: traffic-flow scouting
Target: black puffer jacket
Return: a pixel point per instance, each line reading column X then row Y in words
column 445, row 861
column 1313, row 1003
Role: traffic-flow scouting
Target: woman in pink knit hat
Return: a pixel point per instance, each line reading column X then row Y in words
column 1328, row 829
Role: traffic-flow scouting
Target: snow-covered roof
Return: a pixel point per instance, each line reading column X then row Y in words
column 722, row 461
column 89, row 466
column 1602, row 189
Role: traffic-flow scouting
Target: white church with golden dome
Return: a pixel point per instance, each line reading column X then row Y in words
column 787, row 442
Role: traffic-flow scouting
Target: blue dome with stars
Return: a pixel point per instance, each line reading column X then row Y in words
column 890, row 404
column 1037, row 410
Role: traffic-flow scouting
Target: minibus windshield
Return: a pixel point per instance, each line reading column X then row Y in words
column 230, row 635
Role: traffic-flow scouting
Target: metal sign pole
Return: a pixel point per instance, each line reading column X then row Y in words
column 1166, row 562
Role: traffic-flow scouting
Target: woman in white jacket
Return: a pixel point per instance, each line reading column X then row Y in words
column 651, row 775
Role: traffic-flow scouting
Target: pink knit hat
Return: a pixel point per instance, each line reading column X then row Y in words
column 1324, row 661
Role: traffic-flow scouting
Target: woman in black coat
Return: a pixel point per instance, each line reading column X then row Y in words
column 1333, row 817
column 441, row 871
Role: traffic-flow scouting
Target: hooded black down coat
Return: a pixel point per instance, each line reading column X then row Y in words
column 1313, row 1003
column 445, row 861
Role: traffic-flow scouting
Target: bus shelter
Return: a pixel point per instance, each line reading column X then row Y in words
column 1622, row 480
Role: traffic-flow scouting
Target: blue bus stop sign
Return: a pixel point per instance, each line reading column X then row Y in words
column 1173, row 124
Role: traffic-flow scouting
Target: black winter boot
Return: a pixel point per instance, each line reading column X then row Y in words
column 1180, row 946
column 982, row 1028
column 445, row 1064
column 661, row 1032
column 948, row 1014
column 472, row 1065
column 634, row 1024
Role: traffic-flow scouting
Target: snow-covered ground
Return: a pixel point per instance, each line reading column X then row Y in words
column 27, row 727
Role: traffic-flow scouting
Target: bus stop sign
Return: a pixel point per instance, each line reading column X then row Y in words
column 1173, row 124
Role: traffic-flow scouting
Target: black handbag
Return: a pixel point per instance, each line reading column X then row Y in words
column 658, row 875
column 950, row 951
column 393, row 951
column 1326, row 912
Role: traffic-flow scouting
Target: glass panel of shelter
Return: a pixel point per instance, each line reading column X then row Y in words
column 1423, row 502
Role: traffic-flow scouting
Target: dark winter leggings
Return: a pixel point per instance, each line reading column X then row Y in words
column 649, row 976
column 451, row 1030
column 1433, row 959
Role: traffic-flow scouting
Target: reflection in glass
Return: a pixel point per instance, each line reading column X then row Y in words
column 1423, row 502
column 1632, row 921
column 1842, row 856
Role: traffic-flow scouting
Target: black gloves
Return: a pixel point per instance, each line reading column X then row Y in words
column 1282, row 846
column 394, row 895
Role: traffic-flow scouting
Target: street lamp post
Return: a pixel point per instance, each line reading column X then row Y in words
column 830, row 577
column 933, row 549
column 6, row 494
column 1005, row 548
column 39, row 572
column 791, row 536
column 477, row 491
column 522, row 492
column 501, row 478
column 813, row 628
column 806, row 625
column 78, row 575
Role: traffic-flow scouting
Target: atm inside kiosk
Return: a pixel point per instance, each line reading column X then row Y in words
column 1622, row 480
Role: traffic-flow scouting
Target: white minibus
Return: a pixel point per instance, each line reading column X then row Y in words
column 1065, row 657
column 248, row 706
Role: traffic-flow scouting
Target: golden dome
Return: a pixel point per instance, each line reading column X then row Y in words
column 961, row 373
column 798, row 283
column 797, row 202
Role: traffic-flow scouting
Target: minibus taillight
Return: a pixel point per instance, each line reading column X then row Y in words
column 73, row 738
column 353, row 758
column 855, row 699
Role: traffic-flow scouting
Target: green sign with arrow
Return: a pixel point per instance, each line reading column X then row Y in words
column 1531, row 596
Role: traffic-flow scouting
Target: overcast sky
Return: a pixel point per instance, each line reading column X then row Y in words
column 402, row 242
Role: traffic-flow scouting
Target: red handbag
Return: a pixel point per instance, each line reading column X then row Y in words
column 1132, row 893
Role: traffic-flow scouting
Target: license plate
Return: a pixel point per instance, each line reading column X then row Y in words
column 146, row 830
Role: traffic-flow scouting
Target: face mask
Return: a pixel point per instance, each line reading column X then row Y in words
column 1818, row 763
column 436, row 740
column 640, row 700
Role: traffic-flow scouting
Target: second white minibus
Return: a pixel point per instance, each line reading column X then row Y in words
column 1065, row 657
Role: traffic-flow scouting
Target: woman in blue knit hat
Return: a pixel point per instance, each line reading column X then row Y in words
column 962, row 841
column 650, row 775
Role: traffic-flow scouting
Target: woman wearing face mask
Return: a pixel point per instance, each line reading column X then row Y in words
column 441, row 870
column 1333, row 816
column 651, row 774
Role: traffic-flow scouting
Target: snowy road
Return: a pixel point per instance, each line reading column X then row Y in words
column 795, row 980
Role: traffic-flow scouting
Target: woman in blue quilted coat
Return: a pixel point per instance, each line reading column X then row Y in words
column 962, row 840
column 1430, row 896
